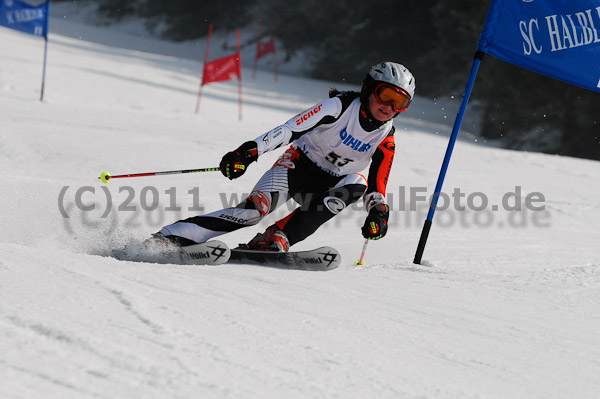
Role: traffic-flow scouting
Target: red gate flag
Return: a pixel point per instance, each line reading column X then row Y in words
column 222, row 69
column 265, row 48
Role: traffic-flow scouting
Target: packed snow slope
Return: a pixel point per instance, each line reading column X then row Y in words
column 505, row 307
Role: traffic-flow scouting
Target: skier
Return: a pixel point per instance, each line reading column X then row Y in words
column 332, row 142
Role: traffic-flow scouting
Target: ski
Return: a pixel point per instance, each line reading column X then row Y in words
column 216, row 252
column 320, row 259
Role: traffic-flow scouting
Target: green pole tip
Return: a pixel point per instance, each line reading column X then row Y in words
column 105, row 177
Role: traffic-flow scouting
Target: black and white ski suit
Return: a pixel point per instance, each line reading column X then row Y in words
column 332, row 143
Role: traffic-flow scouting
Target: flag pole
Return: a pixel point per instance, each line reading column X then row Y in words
column 44, row 67
column 45, row 50
column 210, row 29
column 258, row 37
column 438, row 188
column 274, row 49
column 239, row 51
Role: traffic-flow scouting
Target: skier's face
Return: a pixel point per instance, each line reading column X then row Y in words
column 381, row 112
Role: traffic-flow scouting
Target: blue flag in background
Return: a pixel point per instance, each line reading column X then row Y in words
column 16, row 14
column 558, row 38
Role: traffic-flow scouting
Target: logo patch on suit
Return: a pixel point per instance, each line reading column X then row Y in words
column 353, row 143
column 334, row 204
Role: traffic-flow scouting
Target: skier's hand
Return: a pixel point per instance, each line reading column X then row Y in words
column 235, row 163
column 376, row 224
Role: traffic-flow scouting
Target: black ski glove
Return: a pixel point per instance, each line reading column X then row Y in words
column 235, row 163
column 376, row 224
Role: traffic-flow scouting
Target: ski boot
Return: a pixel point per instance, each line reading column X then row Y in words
column 273, row 239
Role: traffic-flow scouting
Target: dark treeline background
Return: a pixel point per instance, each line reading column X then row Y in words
column 435, row 40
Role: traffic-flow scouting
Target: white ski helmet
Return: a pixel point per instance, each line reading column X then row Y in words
column 388, row 72
column 395, row 74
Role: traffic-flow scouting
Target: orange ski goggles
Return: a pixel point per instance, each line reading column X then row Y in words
column 387, row 94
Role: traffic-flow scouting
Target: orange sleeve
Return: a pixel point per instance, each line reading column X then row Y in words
column 381, row 165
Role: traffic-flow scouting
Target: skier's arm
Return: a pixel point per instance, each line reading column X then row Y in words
column 325, row 112
column 235, row 163
column 379, row 172
column 375, row 225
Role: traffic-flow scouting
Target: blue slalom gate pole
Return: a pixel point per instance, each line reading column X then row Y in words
column 453, row 137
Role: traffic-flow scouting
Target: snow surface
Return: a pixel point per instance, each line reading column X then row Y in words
column 506, row 306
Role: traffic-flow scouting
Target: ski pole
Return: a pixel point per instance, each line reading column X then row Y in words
column 105, row 176
column 362, row 255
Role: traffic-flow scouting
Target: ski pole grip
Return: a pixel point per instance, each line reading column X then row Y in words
column 422, row 242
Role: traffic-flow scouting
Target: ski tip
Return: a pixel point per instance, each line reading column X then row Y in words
column 330, row 256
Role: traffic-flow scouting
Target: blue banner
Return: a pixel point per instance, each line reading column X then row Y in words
column 558, row 38
column 16, row 14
